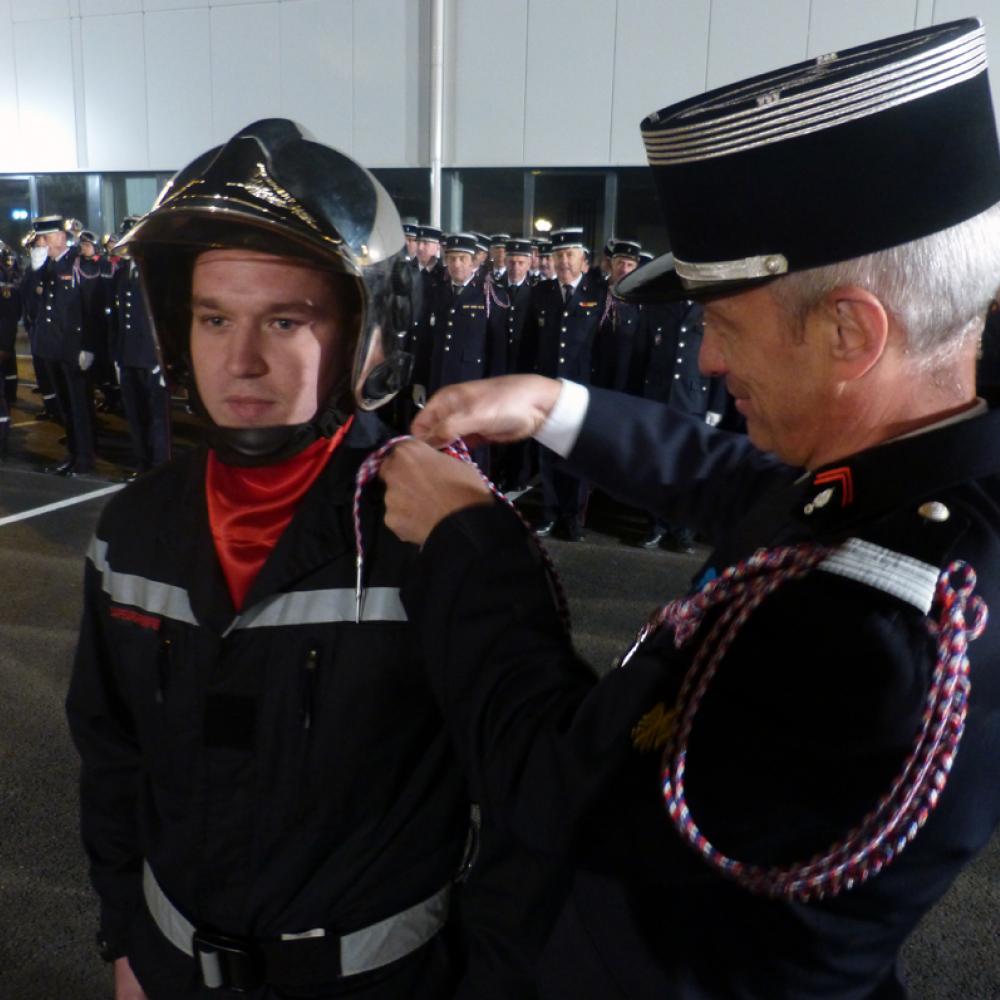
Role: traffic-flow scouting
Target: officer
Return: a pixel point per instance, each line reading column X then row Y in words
column 410, row 235
column 142, row 381
column 546, row 269
column 497, row 254
column 431, row 272
column 515, row 464
column 57, row 331
column 10, row 315
column 270, row 804
column 534, row 272
column 796, row 761
column 567, row 312
column 468, row 319
column 31, row 301
column 619, row 329
column 666, row 368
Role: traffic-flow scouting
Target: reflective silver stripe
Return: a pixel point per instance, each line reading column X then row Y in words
column 363, row 950
column 693, row 274
column 138, row 591
column 902, row 576
column 318, row 607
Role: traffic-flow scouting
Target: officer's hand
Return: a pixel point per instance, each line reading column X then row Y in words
column 423, row 486
column 509, row 408
column 85, row 360
column 126, row 985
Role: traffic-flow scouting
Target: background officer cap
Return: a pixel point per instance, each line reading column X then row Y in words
column 410, row 229
column 48, row 224
column 570, row 237
column 460, row 242
column 499, row 239
column 820, row 162
column 518, row 246
column 429, row 233
column 86, row 236
column 545, row 248
column 623, row 248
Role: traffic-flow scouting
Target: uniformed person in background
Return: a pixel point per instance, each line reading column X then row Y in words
column 667, row 369
column 796, row 761
column 546, row 269
column 57, row 331
column 142, row 382
column 10, row 316
column 534, row 273
column 31, row 300
column 498, row 252
column 567, row 313
column 619, row 330
column 481, row 258
column 410, row 235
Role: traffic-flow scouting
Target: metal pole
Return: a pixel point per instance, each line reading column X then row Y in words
column 437, row 107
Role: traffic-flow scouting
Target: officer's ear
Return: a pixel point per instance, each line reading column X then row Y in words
column 856, row 330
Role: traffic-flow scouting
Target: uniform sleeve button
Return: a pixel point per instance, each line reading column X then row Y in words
column 934, row 510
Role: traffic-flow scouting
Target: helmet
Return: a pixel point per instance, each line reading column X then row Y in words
column 273, row 189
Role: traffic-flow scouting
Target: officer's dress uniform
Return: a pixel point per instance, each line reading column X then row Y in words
column 422, row 333
column 812, row 712
column 566, row 328
column 614, row 346
column 143, row 386
column 665, row 367
column 278, row 770
column 516, row 463
column 32, row 289
column 57, row 332
column 10, row 315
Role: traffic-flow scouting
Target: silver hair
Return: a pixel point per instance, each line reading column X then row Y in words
column 937, row 288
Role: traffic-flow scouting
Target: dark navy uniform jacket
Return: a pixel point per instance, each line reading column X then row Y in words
column 616, row 343
column 57, row 328
column 466, row 343
column 809, row 719
column 10, row 304
column 667, row 359
column 94, row 274
column 566, row 331
column 132, row 342
column 520, row 298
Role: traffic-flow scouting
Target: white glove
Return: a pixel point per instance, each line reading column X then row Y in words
column 85, row 360
column 712, row 419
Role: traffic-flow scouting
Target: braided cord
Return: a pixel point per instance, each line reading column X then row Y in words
column 903, row 810
column 459, row 450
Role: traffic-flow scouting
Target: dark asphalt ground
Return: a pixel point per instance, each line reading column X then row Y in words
column 47, row 913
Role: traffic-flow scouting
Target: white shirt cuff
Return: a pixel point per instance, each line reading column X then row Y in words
column 564, row 422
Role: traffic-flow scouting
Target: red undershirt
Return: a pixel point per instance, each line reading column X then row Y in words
column 250, row 506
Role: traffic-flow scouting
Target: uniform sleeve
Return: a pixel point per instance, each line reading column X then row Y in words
column 103, row 731
column 672, row 464
column 530, row 727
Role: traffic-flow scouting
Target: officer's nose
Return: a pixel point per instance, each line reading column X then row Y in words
column 244, row 352
column 711, row 360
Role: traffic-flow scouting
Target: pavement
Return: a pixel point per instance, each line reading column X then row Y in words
column 47, row 911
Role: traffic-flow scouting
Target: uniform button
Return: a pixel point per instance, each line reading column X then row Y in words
column 683, row 329
column 681, row 344
column 452, row 311
column 447, row 348
column 934, row 510
column 563, row 345
column 447, row 336
column 450, row 323
column 677, row 375
column 565, row 313
column 562, row 361
column 659, row 328
column 562, row 329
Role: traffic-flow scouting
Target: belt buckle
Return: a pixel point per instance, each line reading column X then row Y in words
column 227, row 962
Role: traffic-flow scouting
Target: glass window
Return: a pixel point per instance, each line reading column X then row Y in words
column 63, row 194
column 572, row 198
column 639, row 215
column 15, row 209
column 410, row 189
column 492, row 200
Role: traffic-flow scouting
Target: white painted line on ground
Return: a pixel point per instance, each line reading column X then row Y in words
column 59, row 504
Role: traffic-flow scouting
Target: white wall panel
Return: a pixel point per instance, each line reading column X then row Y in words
column 40, row 10
column 388, row 120
column 749, row 38
column 246, row 79
column 95, row 8
column 47, row 112
column 178, row 86
column 9, row 132
column 840, row 24
column 661, row 55
column 570, row 68
column 485, row 88
column 173, row 4
column 317, row 68
column 116, row 129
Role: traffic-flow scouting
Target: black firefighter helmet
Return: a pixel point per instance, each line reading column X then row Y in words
column 273, row 189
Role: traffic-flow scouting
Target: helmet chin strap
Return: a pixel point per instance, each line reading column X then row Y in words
column 254, row 446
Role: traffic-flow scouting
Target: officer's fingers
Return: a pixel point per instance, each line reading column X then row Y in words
column 446, row 416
